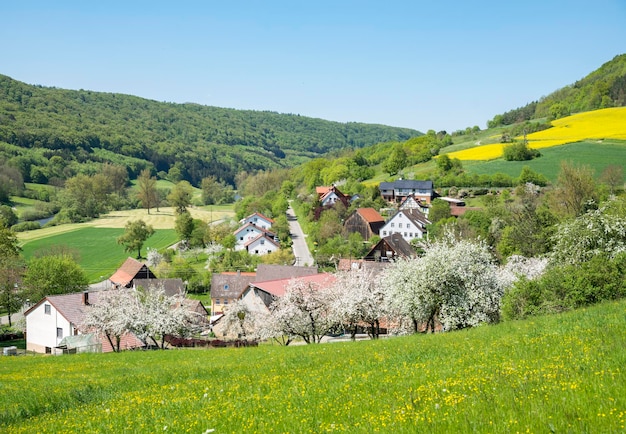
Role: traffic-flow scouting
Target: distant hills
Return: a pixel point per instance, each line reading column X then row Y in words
column 88, row 128
column 603, row 88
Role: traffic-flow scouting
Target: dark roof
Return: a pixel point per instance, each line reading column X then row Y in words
column 406, row 183
column 401, row 246
column 230, row 285
column 130, row 270
column 252, row 225
column 170, row 286
column 415, row 215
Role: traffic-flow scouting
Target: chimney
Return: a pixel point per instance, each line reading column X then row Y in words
column 86, row 298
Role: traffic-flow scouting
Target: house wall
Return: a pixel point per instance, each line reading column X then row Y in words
column 355, row 223
column 261, row 247
column 245, row 235
column 41, row 329
column 402, row 225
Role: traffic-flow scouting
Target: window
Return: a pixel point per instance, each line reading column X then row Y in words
column 393, row 225
column 225, row 301
column 217, row 301
column 47, row 309
column 48, row 350
column 400, row 225
column 411, row 234
column 384, row 233
column 226, row 287
column 405, row 234
column 59, row 332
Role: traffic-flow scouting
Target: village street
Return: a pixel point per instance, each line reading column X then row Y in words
column 300, row 248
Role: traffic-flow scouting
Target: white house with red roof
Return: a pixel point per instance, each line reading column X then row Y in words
column 247, row 233
column 56, row 317
column 259, row 220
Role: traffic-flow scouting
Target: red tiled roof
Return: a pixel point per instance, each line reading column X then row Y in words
column 260, row 215
column 128, row 271
column 278, row 287
column 370, row 215
column 322, row 190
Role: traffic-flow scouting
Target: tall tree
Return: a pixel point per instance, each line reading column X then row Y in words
column 11, row 272
column 135, row 234
column 180, row 196
column 575, row 189
column 146, row 190
column 53, row 274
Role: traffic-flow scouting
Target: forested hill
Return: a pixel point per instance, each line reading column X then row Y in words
column 603, row 88
column 87, row 128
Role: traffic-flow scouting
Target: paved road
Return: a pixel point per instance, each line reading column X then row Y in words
column 300, row 248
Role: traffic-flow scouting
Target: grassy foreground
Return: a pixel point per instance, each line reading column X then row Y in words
column 562, row 373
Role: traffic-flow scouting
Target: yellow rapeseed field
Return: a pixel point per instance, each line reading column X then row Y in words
column 602, row 124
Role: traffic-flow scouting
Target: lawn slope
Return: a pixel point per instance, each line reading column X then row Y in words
column 562, row 373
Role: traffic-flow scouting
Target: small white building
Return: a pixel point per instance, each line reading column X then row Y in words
column 259, row 220
column 56, row 317
column 410, row 223
column 247, row 233
column 262, row 245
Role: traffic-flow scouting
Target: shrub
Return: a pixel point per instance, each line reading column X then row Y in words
column 25, row 226
column 567, row 287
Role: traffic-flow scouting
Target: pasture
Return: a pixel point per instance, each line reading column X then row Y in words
column 96, row 241
column 560, row 373
column 596, row 155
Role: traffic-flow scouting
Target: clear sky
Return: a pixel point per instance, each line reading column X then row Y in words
column 441, row 65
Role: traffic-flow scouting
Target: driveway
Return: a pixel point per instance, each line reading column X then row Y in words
column 300, row 248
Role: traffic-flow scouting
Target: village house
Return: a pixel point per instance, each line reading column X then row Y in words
column 228, row 287
column 262, row 245
column 130, row 270
column 366, row 221
column 53, row 324
column 328, row 196
column 397, row 191
column 410, row 223
column 410, row 202
column 249, row 232
column 390, row 248
column 56, row 317
column 259, row 220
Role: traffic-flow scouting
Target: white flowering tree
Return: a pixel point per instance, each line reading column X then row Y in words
column 359, row 300
column 601, row 231
column 518, row 267
column 153, row 257
column 149, row 314
column 454, row 282
column 304, row 311
column 162, row 315
column 112, row 315
column 240, row 319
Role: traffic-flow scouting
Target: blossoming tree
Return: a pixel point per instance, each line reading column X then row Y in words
column 454, row 282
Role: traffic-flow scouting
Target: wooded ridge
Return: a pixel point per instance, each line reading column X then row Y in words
column 87, row 128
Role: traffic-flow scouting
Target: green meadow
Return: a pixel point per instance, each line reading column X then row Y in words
column 590, row 153
column 99, row 253
column 560, row 373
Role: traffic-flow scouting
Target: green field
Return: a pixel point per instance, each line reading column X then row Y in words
column 100, row 255
column 561, row 373
column 593, row 154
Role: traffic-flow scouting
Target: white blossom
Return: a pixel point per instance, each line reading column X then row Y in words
column 455, row 283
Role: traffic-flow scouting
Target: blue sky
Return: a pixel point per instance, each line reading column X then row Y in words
column 442, row 65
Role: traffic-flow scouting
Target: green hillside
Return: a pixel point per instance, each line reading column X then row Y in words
column 86, row 128
column 558, row 373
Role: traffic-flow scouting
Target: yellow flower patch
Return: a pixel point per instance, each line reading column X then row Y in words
column 594, row 125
